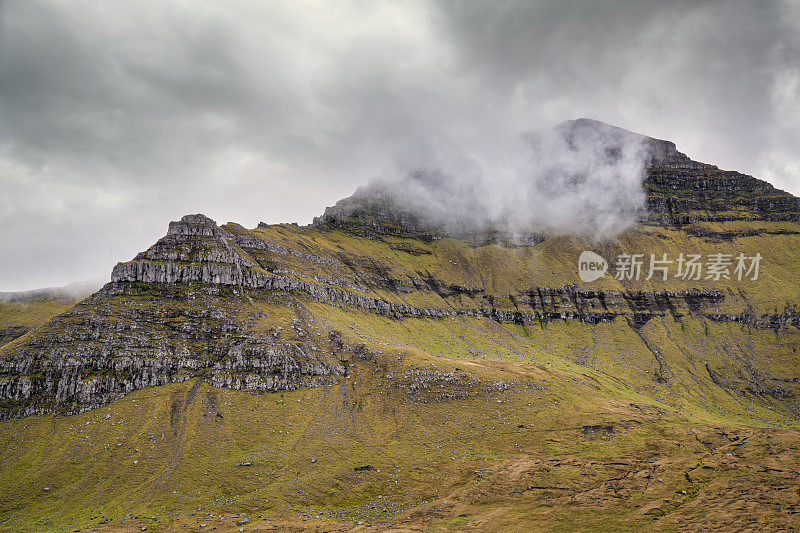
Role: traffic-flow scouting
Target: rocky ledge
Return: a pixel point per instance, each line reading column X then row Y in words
column 126, row 337
column 197, row 251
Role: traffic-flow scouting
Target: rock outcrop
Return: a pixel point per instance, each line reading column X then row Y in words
column 199, row 302
column 127, row 336
column 196, row 250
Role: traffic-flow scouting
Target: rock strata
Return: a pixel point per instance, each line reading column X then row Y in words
column 105, row 348
column 192, row 305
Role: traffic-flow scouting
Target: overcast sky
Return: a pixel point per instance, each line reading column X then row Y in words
column 117, row 117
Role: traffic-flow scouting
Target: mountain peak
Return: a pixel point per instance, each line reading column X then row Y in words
column 675, row 189
column 660, row 151
column 594, row 124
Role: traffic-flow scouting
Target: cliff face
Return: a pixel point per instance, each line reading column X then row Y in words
column 129, row 336
column 682, row 191
column 197, row 251
column 202, row 302
column 143, row 330
column 683, row 194
column 241, row 308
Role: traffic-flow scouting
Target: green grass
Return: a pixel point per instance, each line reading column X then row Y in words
column 420, row 426
column 304, row 449
column 32, row 313
column 500, row 271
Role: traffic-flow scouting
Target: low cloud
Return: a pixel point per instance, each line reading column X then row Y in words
column 583, row 177
column 116, row 117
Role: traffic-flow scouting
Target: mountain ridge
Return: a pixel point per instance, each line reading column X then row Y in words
column 375, row 370
column 294, row 261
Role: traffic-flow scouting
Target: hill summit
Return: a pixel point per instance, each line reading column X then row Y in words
column 675, row 191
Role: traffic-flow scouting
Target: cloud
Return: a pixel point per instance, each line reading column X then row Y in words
column 780, row 162
column 583, row 177
column 117, row 117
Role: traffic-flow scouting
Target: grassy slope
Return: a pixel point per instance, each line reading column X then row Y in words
column 489, row 461
column 19, row 318
column 32, row 313
column 501, row 271
column 462, row 460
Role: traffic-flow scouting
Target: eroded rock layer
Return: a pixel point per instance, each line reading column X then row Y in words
column 206, row 300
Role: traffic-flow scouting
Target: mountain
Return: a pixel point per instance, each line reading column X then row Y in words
column 679, row 192
column 379, row 370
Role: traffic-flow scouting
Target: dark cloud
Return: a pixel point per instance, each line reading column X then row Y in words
column 117, row 117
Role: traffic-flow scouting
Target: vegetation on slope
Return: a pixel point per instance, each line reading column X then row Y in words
column 446, row 424
column 462, row 421
column 549, row 448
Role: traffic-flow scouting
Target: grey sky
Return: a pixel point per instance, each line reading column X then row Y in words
column 117, row 117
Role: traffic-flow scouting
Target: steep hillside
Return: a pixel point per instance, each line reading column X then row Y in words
column 375, row 369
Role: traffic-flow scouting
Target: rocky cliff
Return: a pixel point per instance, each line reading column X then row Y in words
column 130, row 336
column 240, row 308
column 196, row 250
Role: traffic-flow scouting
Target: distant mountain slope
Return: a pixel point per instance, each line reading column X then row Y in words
column 74, row 291
column 22, row 311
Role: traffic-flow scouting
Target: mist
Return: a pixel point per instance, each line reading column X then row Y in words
column 74, row 291
column 582, row 177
